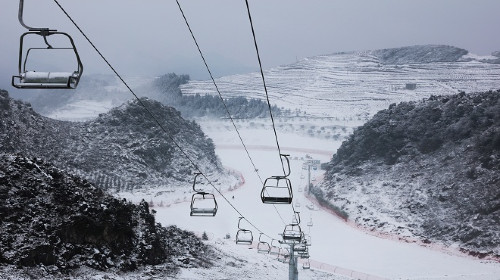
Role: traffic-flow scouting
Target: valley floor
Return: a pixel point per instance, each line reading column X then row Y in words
column 337, row 246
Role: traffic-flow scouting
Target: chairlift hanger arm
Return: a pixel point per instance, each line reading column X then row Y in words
column 286, row 174
column 239, row 224
column 21, row 20
column 194, row 182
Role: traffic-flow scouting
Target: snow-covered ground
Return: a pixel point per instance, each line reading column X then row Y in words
column 339, row 92
column 354, row 85
column 336, row 245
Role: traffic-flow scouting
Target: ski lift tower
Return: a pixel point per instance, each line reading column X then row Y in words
column 314, row 163
column 293, row 273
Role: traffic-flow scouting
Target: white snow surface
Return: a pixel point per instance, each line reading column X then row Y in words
column 354, row 85
column 337, row 246
column 340, row 92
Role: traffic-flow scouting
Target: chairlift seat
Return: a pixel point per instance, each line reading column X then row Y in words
column 33, row 79
column 292, row 237
column 203, row 212
column 277, row 200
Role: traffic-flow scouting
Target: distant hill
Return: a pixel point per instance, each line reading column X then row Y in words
column 419, row 54
column 429, row 169
column 62, row 222
column 167, row 90
column 122, row 150
column 354, row 85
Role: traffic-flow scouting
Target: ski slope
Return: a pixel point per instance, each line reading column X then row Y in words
column 336, row 245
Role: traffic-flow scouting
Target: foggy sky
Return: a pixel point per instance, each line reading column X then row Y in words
column 149, row 37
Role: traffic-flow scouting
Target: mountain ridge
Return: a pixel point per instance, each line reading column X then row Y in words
column 399, row 172
column 122, row 150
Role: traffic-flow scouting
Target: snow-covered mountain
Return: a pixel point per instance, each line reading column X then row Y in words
column 356, row 85
column 429, row 169
column 123, row 150
column 338, row 92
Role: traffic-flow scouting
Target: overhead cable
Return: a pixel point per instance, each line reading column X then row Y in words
column 154, row 118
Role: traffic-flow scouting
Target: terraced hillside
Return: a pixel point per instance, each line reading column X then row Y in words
column 354, row 85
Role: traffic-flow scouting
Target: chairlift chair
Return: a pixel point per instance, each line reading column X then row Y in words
column 32, row 79
column 263, row 247
column 300, row 248
column 305, row 254
column 275, row 250
column 278, row 189
column 203, row 204
column 306, row 264
column 243, row 236
column 292, row 234
column 284, row 255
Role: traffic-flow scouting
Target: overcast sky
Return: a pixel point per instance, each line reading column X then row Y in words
column 149, row 37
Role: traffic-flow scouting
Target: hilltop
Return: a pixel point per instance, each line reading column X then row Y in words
column 419, row 54
column 429, row 169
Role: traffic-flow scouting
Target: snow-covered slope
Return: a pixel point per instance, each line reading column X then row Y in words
column 431, row 169
column 123, row 150
column 356, row 85
column 339, row 92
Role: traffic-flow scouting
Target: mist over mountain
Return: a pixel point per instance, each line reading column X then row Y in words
column 429, row 169
column 122, row 150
